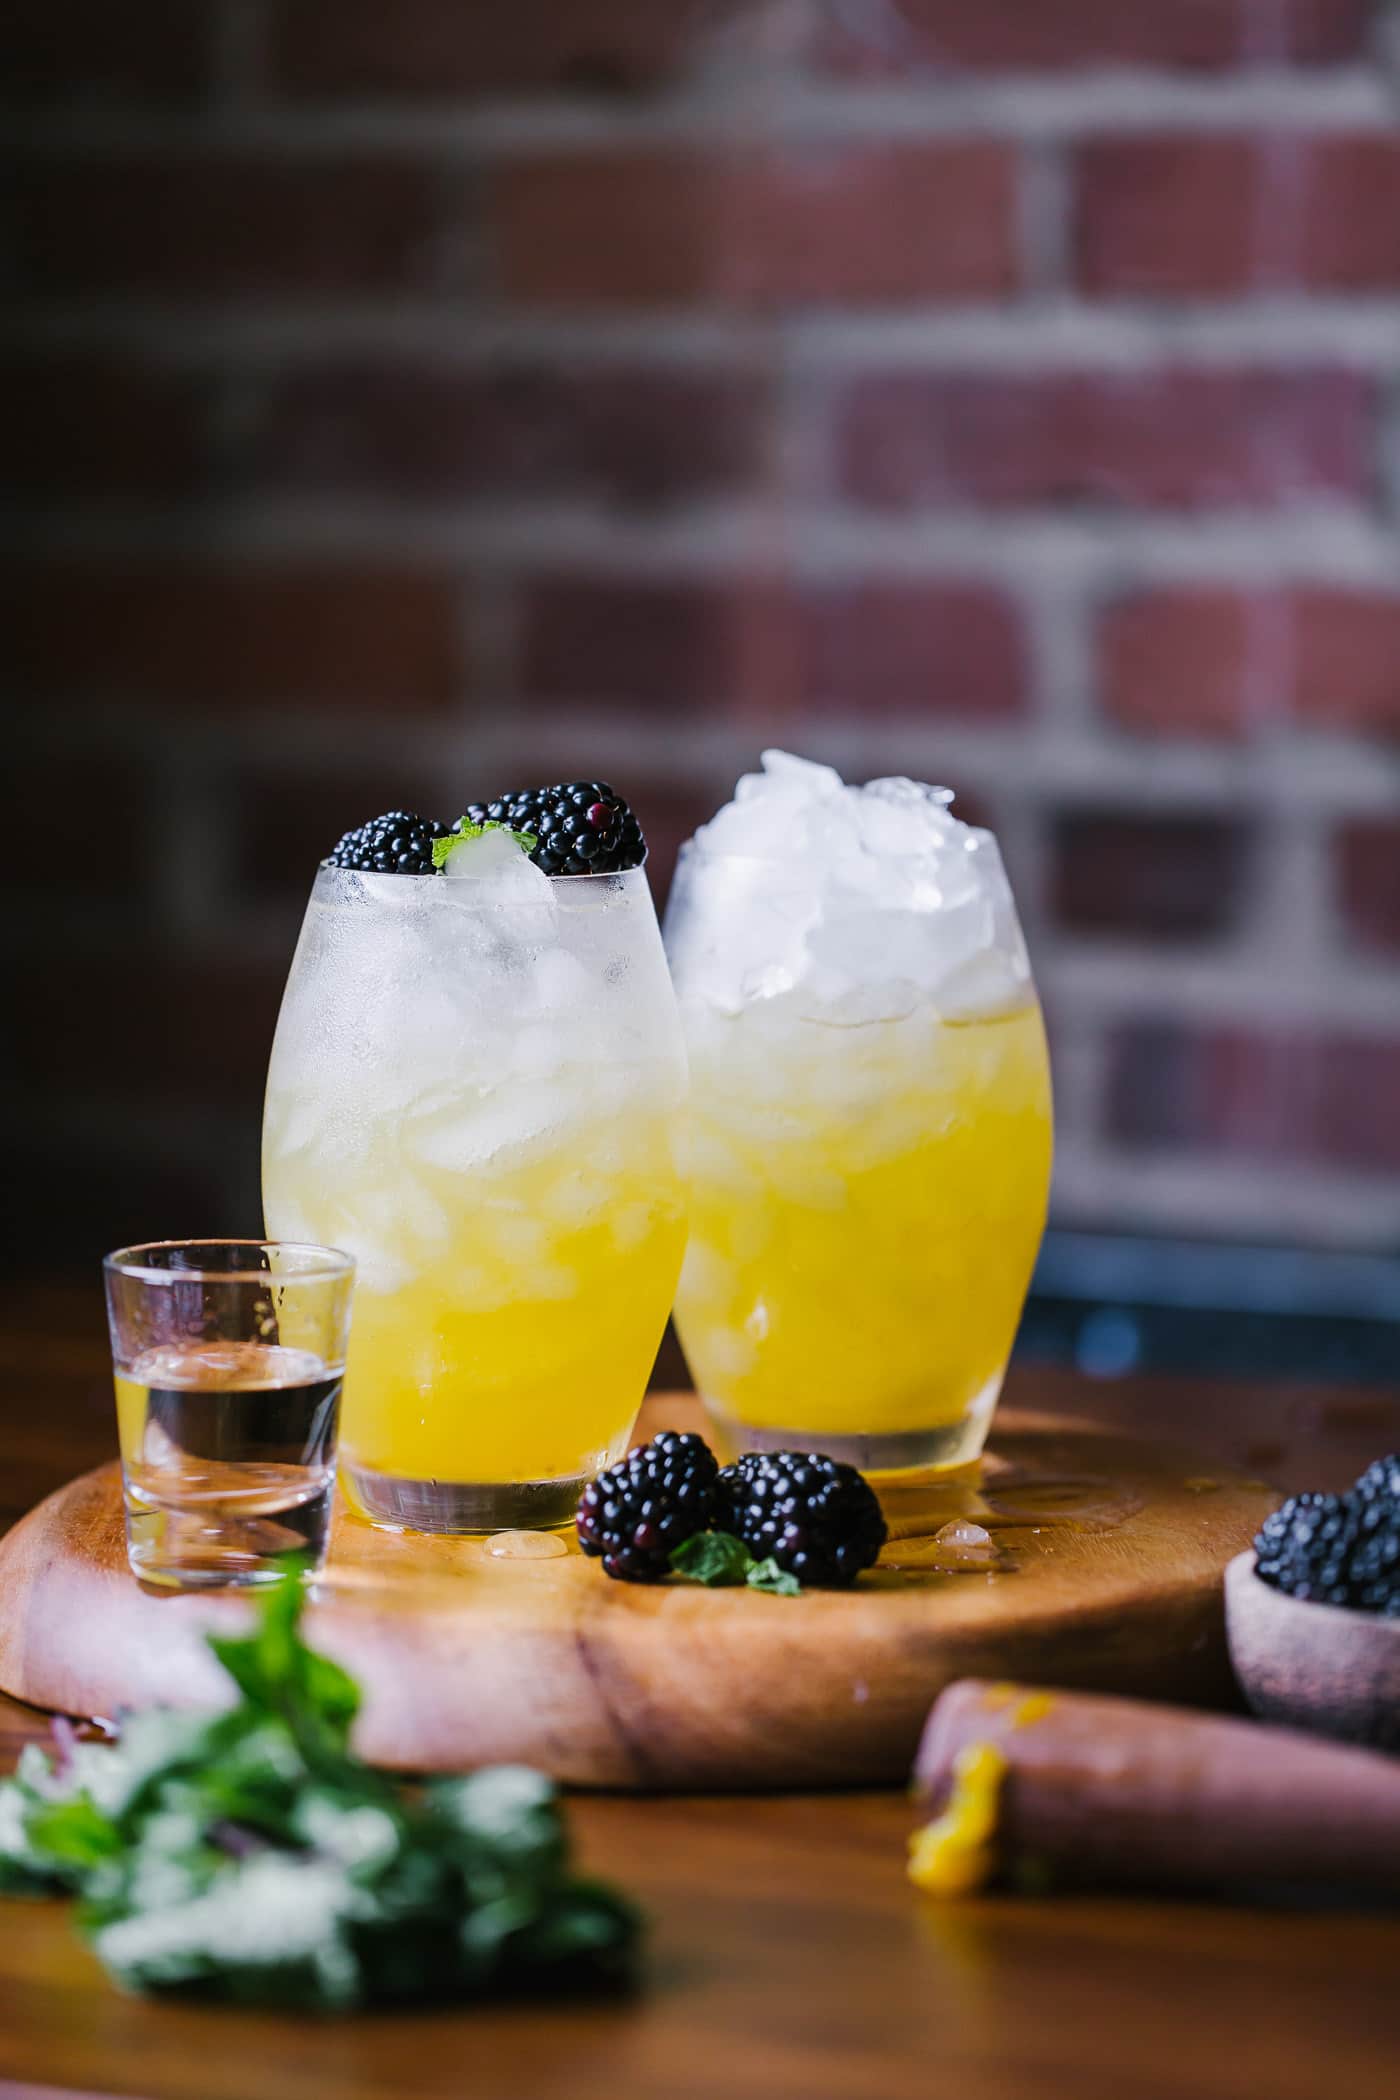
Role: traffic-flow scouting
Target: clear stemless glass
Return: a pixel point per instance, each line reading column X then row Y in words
column 228, row 1356
column 870, row 1120
column 475, row 1086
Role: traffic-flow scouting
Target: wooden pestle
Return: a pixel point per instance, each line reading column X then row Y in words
column 1102, row 1789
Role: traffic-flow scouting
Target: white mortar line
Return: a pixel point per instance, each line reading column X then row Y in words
column 1022, row 765
column 1238, row 984
column 714, row 111
column 1031, row 336
column 1108, row 551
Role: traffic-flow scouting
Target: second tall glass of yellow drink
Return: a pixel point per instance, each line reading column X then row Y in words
column 870, row 1126
column 475, row 1087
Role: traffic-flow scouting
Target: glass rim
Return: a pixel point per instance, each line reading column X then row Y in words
column 723, row 856
column 638, row 867
column 326, row 1264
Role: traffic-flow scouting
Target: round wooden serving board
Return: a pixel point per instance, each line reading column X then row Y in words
column 1104, row 1574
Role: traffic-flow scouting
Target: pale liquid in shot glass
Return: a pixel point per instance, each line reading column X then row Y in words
column 228, row 1457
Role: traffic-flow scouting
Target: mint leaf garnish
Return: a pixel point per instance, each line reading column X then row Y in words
column 250, row 1856
column 443, row 849
column 715, row 1558
column 721, row 1561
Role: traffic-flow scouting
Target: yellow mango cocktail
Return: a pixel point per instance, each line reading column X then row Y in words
column 870, row 1128
column 474, row 1089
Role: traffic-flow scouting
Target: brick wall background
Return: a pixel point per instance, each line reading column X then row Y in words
column 399, row 401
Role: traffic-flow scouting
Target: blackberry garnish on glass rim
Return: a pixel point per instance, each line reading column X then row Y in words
column 634, row 1515
column 581, row 827
column 398, row 843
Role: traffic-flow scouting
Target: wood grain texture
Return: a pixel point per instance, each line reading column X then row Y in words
column 1109, row 1557
column 1312, row 1665
column 788, row 1957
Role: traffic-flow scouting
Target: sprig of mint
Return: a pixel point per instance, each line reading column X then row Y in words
column 720, row 1561
column 251, row 1856
column 463, row 829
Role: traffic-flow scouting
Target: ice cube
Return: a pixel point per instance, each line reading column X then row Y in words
column 859, row 903
column 488, row 1124
column 392, row 1232
column 559, row 983
column 632, row 1224
column 517, row 1237
column 897, row 787
column 802, row 776
column 897, row 824
column 497, row 862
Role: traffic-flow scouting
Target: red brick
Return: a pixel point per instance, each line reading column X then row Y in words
column 1161, row 216
column 220, row 226
column 1147, row 877
column 1290, row 1094
column 913, row 648
column 680, row 646
column 101, row 429
column 933, row 36
column 1178, row 662
column 201, row 634
column 1205, row 215
column 88, row 51
column 429, row 50
column 1368, row 881
column 937, row 649
column 438, row 432
column 1207, row 661
column 845, row 224
column 1172, row 439
column 1349, row 218
column 1347, row 659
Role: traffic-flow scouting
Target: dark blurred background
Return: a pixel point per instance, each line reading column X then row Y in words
column 405, row 400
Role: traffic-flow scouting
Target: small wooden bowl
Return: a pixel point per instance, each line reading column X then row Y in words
column 1313, row 1666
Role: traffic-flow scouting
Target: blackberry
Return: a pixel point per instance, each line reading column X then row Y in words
column 635, row 1515
column 1334, row 1549
column 818, row 1519
column 1381, row 1481
column 580, row 826
column 398, row 843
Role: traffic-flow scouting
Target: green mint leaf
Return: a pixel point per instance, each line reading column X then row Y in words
column 25, row 1868
column 72, row 1836
column 464, row 829
column 715, row 1558
column 767, row 1575
column 249, row 1856
column 280, row 1676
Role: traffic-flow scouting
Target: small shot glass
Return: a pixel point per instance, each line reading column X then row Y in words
column 228, row 1357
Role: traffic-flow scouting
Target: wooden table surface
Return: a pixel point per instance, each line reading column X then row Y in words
column 789, row 1958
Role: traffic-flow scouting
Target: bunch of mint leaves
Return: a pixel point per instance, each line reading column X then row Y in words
column 250, row 1856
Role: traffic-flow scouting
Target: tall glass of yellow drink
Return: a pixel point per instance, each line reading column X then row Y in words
column 474, row 1088
column 870, row 1125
